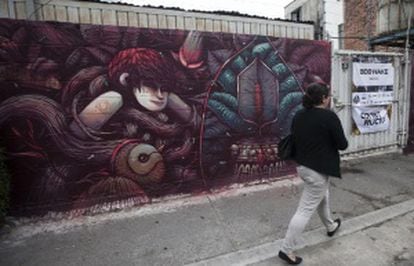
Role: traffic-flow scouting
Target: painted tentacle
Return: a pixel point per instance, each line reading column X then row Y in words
column 150, row 123
column 181, row 152
column 226, row 99
column 290, row 100
column 288, row 108
column 88, row 131
column 214, row 129
column 79, row 82
column 227, row 115
column 287, row 122
column 227, row 80
column 52, row 116
column 290, row 84
column 98, row 85
column 262, row 50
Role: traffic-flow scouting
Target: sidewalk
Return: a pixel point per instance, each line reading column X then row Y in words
column 207, row 228
column 382, row 238
column 387, row 244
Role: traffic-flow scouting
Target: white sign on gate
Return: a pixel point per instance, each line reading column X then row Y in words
column 371, row 119
column 372, row 98
column 373, row 74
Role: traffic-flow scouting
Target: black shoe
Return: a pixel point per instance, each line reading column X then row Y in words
column 332, row 233
column 286, row 258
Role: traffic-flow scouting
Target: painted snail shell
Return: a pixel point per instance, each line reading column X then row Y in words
column 140, row 162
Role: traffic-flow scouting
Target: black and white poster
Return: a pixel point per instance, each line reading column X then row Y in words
column 372, row 95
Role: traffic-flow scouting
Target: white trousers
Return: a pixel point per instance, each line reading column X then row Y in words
column 315, row 196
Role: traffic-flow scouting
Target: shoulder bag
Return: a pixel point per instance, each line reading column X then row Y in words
column 286, row 148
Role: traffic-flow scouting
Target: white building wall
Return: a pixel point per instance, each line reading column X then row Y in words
column 310, row 9
column 327, row 15
column 334, row 16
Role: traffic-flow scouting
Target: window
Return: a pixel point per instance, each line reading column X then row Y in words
column 296, row 15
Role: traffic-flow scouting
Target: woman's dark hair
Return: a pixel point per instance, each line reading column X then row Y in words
column 314, row 95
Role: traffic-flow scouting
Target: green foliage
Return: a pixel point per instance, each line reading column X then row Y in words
column 4, row 187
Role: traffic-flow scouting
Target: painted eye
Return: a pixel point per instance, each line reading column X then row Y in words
column 143, row 158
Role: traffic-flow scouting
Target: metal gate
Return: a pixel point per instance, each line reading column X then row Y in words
column 395, row 137
column 410, row 141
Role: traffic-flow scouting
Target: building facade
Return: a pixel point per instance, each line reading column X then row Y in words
column 326, row 14
column 378, row 24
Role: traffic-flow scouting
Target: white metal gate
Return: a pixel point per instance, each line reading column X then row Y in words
column 391, row 140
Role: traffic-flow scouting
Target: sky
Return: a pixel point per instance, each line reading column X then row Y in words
column 266, row 8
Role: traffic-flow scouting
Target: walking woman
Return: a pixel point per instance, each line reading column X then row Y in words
column 318, row 135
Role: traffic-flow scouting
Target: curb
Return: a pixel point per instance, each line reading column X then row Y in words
column 314, row 237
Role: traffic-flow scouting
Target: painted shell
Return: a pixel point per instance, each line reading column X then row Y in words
column 140, row 162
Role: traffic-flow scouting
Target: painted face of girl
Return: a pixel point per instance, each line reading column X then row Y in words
column 151, row 96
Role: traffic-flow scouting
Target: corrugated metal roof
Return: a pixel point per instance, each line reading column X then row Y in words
column 217, row 12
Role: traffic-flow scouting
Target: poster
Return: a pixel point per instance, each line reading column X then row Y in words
column 372, row 74
column 372, row 98
column 371, row 119
column 372, row 95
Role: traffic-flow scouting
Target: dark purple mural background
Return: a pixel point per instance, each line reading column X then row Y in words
column 101, row 116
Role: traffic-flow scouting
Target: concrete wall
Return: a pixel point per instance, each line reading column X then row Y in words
column 98, row 117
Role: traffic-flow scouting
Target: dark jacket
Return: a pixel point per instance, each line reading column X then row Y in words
column 318, row 135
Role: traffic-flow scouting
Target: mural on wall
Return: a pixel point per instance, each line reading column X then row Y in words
column 106, row 117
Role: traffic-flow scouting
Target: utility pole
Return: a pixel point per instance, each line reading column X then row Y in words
column 407, row 76
column 369, row 9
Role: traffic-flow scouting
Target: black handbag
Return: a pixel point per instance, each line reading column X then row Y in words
column 286, row 148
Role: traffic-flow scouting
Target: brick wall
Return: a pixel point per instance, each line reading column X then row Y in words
column 360, row 26
column 360, row 23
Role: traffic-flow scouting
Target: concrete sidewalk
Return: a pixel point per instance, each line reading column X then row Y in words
column 207, row 228
column 382, row 237
column 385, row 244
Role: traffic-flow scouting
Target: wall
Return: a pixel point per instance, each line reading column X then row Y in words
column 360, row 23
column 91, row 12
column 327, row 15
column 334, row 16
column 311, row 10
column 393, row 15
column 100, row 117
